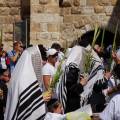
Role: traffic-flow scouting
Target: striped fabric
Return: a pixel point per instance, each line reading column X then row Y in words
column 62, row 86
column 25, row 101
column 76, row 59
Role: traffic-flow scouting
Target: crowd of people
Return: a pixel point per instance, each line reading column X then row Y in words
column 26, row 75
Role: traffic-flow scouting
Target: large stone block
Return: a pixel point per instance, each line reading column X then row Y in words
column 99, row 9
column 114, row 2
column 8, row 28
column 91, row 2
column 104, row 2
column 55, row 36
column 45, row 18
column 68, row 19
column 43, row 1
column 82, row 2
column 15, row 11
column 51, row 9
column 76, row 10
column 43, row 36
column 4, row 10
column 87, row 10
column 53, row 27
column 37, row 9
column 33, row 36
column 109, row 10
column 35, row 27
column 2, row 3
column 66, row 3
column 76, row 2
column 43, row 27
column 65, row 11
column 34, row 2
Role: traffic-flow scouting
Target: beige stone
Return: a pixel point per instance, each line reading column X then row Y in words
column 76, row 2
column 43, row 36
column 109, row 10
column 76, row 10
column 43, row 27
column 87, row 10
column 4, row 10
column 53, row 27
column 65, row 11
column 35, row 27
column 45, row 18
column 82, row 2
column 2, row 3
column 55, row 36
column 34, row 2
column 8, row 28
column 51, row 9
column 99, row 9
column 33, row 36
column 114, row 2
column 91, row 2
column 68, row 18
column 37, row 9
column 14, row 11
column 43, row 1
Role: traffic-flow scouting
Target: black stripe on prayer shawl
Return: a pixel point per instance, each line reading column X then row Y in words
column 62, row 86
column 32, row 110
column 94, row 72
column 33, row 99
column 42, row 117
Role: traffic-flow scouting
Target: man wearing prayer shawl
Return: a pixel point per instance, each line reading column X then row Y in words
column 25, row 100
column 71, row 93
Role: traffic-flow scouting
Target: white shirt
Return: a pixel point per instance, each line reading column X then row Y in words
column 49, row 69
column 3, row 63
column 112, row 111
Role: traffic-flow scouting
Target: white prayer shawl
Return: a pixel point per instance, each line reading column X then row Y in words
column 76, row 57
column 25, row 101
column 96, row 74
column 112, row 111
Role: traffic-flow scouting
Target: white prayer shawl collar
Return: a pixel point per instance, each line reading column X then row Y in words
column 23, row 86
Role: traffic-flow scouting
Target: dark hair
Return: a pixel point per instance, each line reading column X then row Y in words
column 52, row 104
column 56, row 46
column 43, row 52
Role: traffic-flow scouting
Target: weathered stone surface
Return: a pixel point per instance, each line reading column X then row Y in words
column 108, row 10
column 8, row 28
column 43, row 27
column 35, row 27
column 33, row 36
column 43, row 1
column 43, row 36
column 76, row 2
column 91, row 2
column 82, row 2
column 104, row 2
column 37, row 9
column 65, row 11
column 14, row 11
column 87, row 10
column 99, row 9
column 114, row 2
column 51, row 9
column 45, row 18
column 68, row 19
column 55, row 36
column 76, row 10
column 35, row 2
column 4, row 10
column 53, row 27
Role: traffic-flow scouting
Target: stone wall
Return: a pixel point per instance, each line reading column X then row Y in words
column 45, row 22
column 80, row 16
column 65, row 23
column 9, row 13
